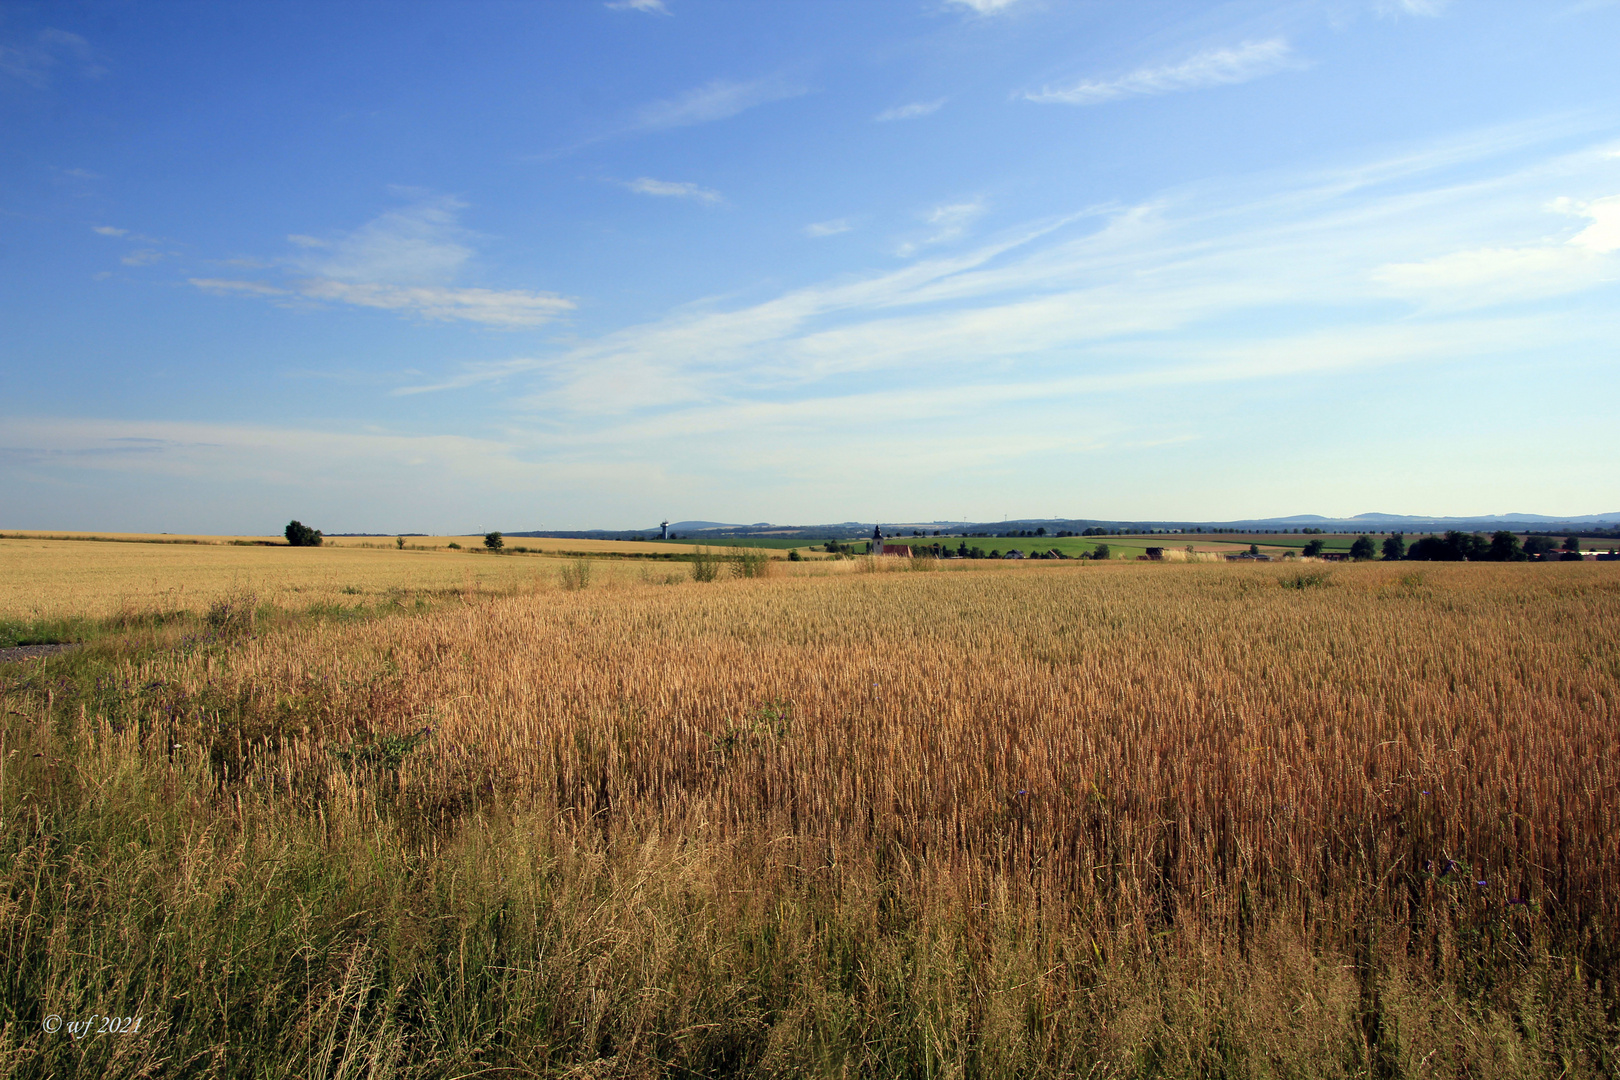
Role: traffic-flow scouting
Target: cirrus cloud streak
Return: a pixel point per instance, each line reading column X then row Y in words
column 1215, row 67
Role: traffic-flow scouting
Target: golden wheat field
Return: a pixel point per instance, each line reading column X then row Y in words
column 1062, row 820
column 549, row 545
column 52, row 578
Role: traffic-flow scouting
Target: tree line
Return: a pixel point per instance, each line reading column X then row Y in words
column 1500, row 546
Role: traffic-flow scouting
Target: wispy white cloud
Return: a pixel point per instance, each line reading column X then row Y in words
column 650, row 7
column 110, row 230
column 1481, row 277
column 1603, row 235
column 828, row 228
column 950, row 221
column 145, row 257
column 716, row 100
column 1428, row 8
column 36, row 61
column 910, row 112
column 226, row 287
column 984, row 7
column 406, row 261
column 472, row 375
column 672, row 189
column 510, row 308
column 419, row 243
column 1114, row 300
column 1216, row 67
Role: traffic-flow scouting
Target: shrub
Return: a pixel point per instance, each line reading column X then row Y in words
column 705, row 565
column 301, row 535
column 751, row 564
column 454, row 546
column 576, row 575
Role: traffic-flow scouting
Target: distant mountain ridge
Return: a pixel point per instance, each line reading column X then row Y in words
column 844, row 530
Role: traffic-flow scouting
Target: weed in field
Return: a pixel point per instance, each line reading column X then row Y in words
column 750, row 563
column 233, row 613
column 705, row 565
column 576, row 574
column 385, row 752
column 1306, row 579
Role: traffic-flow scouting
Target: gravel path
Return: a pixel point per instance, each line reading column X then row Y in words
column 29, row 652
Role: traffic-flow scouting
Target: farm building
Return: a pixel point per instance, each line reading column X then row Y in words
column 880, row 547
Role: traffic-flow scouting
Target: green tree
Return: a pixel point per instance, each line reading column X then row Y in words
column 1254, row 549
column 1537, row 546
column 1394, row 547
column 1572, row 543
column 1473, row 546
column 1362, row 549
column 1313, row 548
column 1101, row 552
column 399, row 542
column 301, row 535
column 493, row 541
column 1505, row 548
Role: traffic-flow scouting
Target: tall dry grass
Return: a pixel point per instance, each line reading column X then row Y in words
column 1111, row 820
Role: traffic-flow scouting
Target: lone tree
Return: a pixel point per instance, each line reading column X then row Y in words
column 1394, row 547
column 301, row 535
column 493, row 541
column 1362, row 549
column 1313, row 548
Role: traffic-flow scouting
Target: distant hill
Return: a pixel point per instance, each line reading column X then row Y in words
column 854, row 530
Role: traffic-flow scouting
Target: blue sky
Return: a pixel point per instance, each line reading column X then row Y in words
column 463, row 266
